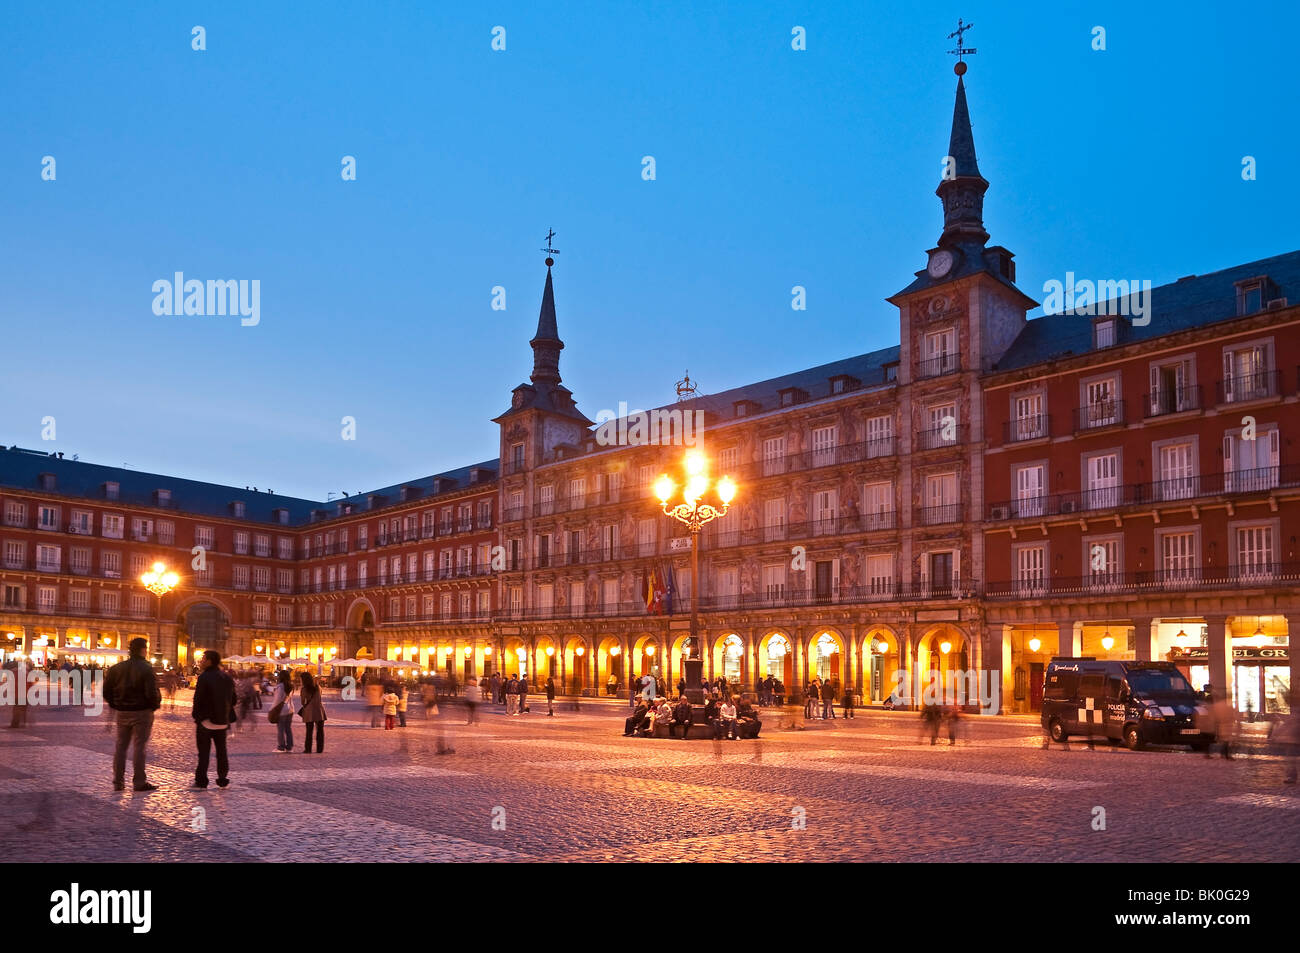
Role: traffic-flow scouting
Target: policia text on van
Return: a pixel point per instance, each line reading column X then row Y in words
column 1136, row 702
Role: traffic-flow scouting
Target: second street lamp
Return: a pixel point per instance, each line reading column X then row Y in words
column 694, row 511
column 160, row 580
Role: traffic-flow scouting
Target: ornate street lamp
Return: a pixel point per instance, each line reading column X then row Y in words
column 695, row 511
column 160, row 580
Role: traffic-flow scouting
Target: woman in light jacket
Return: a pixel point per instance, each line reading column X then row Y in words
column 283, row 699
column 312, row 712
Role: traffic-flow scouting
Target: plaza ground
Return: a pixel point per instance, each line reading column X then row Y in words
column 572, row 788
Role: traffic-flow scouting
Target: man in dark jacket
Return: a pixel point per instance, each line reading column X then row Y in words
column 213, row 713
column 748, row 723
column 682, row 716
column 131, row 690
column 637, row 719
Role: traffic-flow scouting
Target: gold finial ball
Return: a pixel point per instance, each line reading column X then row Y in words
column 959, row 68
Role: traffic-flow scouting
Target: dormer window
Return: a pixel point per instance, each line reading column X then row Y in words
column 281, row 516
column 743, row 408
column 842, row 383
column 46, row 481
column 1254, row 294
column 162, row 497
column 111, row 490
column 237, row 509
column 1104, row 333
column 792, row 395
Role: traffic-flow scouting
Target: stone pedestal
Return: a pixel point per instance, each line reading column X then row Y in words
column 693, row 672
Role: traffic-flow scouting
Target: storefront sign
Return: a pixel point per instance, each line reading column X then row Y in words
column 1201, row 653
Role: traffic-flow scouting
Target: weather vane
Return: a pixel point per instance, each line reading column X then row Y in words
column 960, row 67
column 550, row 234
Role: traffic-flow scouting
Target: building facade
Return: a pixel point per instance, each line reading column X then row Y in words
column 990, row 492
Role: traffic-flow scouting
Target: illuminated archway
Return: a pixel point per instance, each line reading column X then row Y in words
column 881, row 663
column 776, row 657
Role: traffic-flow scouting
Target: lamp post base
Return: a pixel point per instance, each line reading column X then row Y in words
column 693, row 672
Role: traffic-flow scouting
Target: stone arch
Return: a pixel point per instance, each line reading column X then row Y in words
column 880, row 668
column 931, row 656
column 576, row 662
column 824, row 653
column 201, row 624
column 776, row 656
column 610, row 661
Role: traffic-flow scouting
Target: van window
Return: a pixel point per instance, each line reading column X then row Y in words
column 1091, row 685
column 1061, row 685
column 1157, row 682
column 1113, row 686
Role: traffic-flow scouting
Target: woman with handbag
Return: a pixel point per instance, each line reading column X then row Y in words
column 312, row 712
column 281, row 713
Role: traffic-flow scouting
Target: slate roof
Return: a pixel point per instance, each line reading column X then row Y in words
column 1187, row 303
column 21, row 469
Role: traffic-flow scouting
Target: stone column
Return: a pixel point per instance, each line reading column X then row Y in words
column 1295, row 662
column 1220, row 641
column 29, row 637
column 1144, row 639
column 1075, row 644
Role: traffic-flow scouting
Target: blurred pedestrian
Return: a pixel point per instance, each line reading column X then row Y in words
column 213, row 711
column 847, row 702
column 374, row 700
column 550, row 697
column 401, row 704
column 1286, row 738
column 471, row 700
column 131, row 690
column 522, row 688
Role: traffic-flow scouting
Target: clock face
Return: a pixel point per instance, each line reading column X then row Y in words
column 940, row 264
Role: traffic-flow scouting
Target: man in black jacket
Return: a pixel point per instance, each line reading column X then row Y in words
column 131, row 690
column 634, row 723
column 213, row 713
column 682, row 716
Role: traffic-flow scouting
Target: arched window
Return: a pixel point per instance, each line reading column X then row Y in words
column 777, row 650
column 732, row 651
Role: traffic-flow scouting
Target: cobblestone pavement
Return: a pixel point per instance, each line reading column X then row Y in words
column 570, row 787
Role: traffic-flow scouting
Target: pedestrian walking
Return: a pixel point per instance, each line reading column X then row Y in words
column 131, row 690
column 550, row 697
column 471, row 700
column 213, row 712
column 312, row 712
column 1286, row 738
column 374, row 700
column 512, row 694
column 281, row 713
column 828, row 700
column 522, row 688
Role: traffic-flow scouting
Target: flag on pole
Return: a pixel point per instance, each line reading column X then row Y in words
column 667, row 587
column 651, row 587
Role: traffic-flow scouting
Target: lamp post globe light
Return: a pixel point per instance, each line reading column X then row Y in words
column 694, row 510
column 160, row 580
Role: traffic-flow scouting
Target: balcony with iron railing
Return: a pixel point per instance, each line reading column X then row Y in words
column 1171, row 400
column 1032, row 427
column 1259, row 575
column 938, row 366
column 1259, row 480
column 1256, row 386
column 943, row 513
column 953, row 435
column 1098, row 415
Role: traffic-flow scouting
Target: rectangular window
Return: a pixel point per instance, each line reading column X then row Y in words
column 15, row 554
column 48, row 558
column 1104, row 569
column 1251, row 465
column 824, row 442
column 166, row 532
column 1031, row 562
column 774, row 583
column 941, row 504
column 16, row 513
column 108, row 602
column 880, row 575
column 878, row 510
column 1254, row 552
column 79, row 560
column 110, row 564
column 609, row 541
column 577, row 598
column 1029, row 421
column 1177, row 472
column 773, row 455
column 1103, row 480
column 1105, row 332
column 241, row 542
column 825, row 511
column 1100, row 408
column 728, row 461
column 577, row 493
column 940, row 353
column 47, row 517
column 774, row 519
column 645, row 537
column 1247, row 373
column 1029, row 490
column 1178, row 560
column 609, row 594
column 284, row 547
column 880, row 437
column 241, row 577
column 82, row 522
column 204, row 536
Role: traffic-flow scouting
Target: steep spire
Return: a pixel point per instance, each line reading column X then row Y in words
column 962, row 189
column 546, row 342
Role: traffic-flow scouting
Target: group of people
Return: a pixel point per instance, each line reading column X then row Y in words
column 132, row 691
column 732, row 717
column 821, row 693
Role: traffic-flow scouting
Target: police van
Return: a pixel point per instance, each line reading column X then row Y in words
column 1138, row 703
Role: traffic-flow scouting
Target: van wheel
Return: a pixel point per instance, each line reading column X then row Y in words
column 1132, row 740
column 1056, row 730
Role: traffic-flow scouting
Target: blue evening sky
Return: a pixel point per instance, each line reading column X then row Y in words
column 775, row 168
